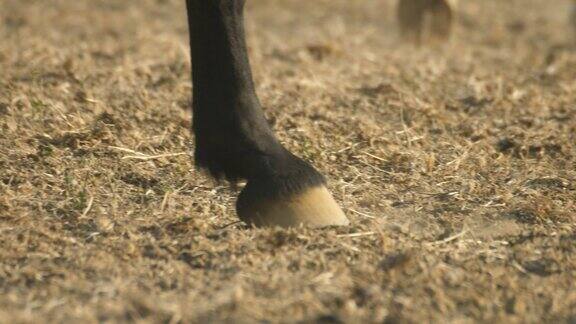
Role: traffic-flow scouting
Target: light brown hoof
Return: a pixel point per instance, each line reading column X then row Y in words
column 313, row 207
column 426, row 20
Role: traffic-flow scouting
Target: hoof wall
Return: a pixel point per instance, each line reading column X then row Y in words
column 313, row 207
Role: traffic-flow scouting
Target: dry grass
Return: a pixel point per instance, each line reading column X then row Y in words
column 457, row 166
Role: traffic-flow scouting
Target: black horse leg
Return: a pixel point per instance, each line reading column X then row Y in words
column 233, row 138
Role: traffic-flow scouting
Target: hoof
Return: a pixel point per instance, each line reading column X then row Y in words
column 410, row 14
column 311, row 207
column 441, row 20
column 426, row 20
column 573, row 18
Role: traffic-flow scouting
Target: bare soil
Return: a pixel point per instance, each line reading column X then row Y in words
column 456, row 165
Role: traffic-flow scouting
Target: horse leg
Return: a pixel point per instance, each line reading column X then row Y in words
column 233, row 138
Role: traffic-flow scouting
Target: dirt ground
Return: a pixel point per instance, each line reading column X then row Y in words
column 456, row 165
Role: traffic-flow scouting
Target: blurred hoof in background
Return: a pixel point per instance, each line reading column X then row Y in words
column 426, row 21
column 573, row 19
